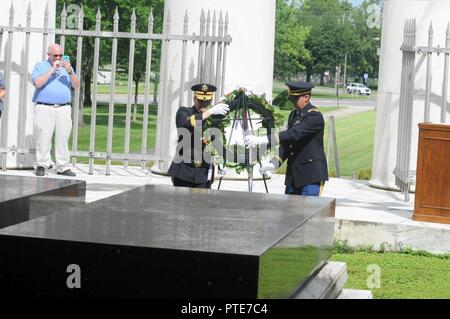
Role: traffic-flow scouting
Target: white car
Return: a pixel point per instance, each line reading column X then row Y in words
column 357, row 88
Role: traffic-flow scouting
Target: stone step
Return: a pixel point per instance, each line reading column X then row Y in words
column 355, row 294
column 326, row 284
column 394, row 236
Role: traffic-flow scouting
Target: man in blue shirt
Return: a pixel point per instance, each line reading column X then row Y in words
column 53, row 79
column 2, row 93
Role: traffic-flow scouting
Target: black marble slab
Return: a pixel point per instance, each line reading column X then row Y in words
column 25, row 198
column 167, row 242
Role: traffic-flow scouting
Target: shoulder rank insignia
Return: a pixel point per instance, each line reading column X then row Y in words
column 313, row 110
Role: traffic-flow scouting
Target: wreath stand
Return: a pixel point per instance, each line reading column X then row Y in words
column 240, row 107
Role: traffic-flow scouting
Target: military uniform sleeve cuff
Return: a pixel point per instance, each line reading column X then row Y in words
column 276, row 161
column 192, row 120
column 282, row 136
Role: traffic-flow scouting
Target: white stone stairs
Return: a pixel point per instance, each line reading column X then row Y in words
column 328, row 283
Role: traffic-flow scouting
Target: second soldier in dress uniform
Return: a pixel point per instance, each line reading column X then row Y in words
column 301, row 144
column 191, row 166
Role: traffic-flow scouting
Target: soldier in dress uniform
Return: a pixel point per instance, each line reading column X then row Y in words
column 301, row 144
column 192, row 167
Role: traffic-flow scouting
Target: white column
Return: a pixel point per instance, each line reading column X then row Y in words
column 394, row 15
column 249, row 58
column 15, row 98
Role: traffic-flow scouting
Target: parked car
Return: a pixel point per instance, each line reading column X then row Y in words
column 357, row 88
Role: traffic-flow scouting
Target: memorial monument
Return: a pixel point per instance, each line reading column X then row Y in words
column 25, row 198
column 169, row 242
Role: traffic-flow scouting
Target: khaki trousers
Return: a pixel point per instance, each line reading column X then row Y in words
column 49, row 120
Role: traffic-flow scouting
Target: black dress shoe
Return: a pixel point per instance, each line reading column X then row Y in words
column 67, row 172
column 40, row 171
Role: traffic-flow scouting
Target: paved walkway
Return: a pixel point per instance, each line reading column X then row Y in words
column 364, row 215
column 367, row 103
column 347, row 111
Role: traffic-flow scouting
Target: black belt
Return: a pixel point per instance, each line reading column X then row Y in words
column 198, row 164
column 53, row 104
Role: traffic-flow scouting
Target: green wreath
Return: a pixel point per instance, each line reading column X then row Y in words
column 256, row 105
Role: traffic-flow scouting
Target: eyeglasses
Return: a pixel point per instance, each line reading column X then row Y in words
column 57, row 55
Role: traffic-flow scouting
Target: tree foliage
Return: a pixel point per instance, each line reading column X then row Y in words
column 290, row 37
column 331, row 33
column 316, row 35
column 364, row 57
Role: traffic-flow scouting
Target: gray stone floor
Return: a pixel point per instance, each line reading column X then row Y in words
column 364, row 215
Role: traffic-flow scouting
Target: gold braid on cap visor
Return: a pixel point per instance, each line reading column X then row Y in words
column 299, row 92
column 202, row 96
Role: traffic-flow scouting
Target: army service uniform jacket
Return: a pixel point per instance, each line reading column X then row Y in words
column 191, row 164
column 301, row 144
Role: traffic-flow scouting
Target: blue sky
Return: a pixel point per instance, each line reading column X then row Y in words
column 356, row 2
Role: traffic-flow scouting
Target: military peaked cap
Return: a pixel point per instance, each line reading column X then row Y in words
column 299, row 88
column 203, row 91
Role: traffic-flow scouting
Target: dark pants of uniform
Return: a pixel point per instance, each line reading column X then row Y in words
column 0, row 114
column 306, row 190
column 183, row 183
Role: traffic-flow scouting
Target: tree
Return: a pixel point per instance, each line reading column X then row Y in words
column 290, row 52
column 331, row 35
column 364, row 57
column 142, row 11
column 107, row 9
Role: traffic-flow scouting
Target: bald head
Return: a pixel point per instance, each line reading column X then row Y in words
column 54, row 52
column 54, row 47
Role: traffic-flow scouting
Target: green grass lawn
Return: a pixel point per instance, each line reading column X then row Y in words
column 118, row 130
column 402, row 275
column 355, row 136
column 122, row 89
column 355, row 139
